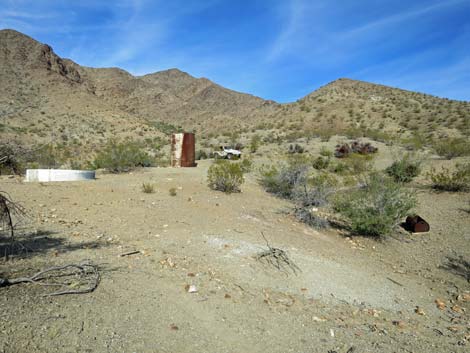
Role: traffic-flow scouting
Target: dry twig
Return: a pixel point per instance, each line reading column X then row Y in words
column 71, row 279
column 277, row 258
column 8, row 209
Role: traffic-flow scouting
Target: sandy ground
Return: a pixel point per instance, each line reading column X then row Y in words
column 351, row 295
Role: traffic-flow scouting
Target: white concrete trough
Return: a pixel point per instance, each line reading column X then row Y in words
column 46, row 175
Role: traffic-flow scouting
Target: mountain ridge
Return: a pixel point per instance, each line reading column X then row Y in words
column 46, row 96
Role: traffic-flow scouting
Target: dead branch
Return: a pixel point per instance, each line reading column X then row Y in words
column 71, row 278
column 130, row 253
column 277, row 258
column 8, row 209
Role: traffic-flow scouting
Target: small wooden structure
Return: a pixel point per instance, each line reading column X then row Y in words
column 183, row 150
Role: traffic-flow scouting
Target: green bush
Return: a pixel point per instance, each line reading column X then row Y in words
column 9, row 162
column 148, row 188
column 225, row 176
column 404, row 169
column 452, row 147
column 325, row 152
column 283, row 180
column 255, row 143
column 118, row 157
column 377, row 207
column 321, row 163
column 246, row 165
column 451, row 180
column 354, row 164
column 201, row 154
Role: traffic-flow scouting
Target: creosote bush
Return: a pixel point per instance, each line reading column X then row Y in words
column 225, row 176
column 118, row 157
column 282, row 180
column 246, row 165
column 172, row 191
column 451, row 180
column 452, row 147
column 405, row 169
column 377, row 207
column 294, row 181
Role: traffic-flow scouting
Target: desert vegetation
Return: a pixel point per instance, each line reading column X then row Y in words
column 225, row 176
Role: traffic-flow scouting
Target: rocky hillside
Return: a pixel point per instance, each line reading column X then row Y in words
column 44, row 98
column 367, row 105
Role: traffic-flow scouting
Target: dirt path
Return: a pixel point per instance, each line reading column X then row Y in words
column 350, row 292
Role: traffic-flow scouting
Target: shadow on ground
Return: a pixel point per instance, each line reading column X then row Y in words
column 36, row 243
column 458, row 266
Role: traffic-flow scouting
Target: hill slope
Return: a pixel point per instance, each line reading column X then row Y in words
column 46, row 98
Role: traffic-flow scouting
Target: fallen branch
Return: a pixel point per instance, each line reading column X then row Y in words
column 277, row 258
column 393, row 281
column 75, row 279
column 130, row 253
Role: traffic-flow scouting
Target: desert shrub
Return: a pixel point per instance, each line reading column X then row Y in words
column 201, row 154
column 225, row 176
column 404, row 169
column 48, row 156
column 246, row 165
column 339, row 168
column 321, row 163
column 118, row 157
column 452, row 147
column 354, row 164
column 359, row 164
column 172, row 191
column 309, row 196
column 377, row 207
column 451, row 180
column 255, row 143
column 296, row 149
column 282, row 180
column 325, row 152
column 310, row 218
column 148, row 188
column 9, row 161
column 314, row 191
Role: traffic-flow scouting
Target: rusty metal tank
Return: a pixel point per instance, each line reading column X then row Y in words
column 183, row 150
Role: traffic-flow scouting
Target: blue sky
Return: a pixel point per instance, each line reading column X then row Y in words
column 275, row 49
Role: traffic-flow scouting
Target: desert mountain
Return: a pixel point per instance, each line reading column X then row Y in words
column 46, row 98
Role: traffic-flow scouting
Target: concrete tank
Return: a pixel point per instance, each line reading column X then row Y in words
column 46, row 175
column 183, row 150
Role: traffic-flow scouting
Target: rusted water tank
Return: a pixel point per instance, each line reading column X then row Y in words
column 183, row 150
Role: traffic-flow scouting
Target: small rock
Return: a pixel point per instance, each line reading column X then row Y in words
column 398, row 323
column 465, row 297
column 441, row 305
column 191, row 288
column 419, row 311
column 458, row 309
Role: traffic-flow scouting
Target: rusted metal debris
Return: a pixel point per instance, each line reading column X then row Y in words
column 356, row 147
column 416, row 224
column 183, row 150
